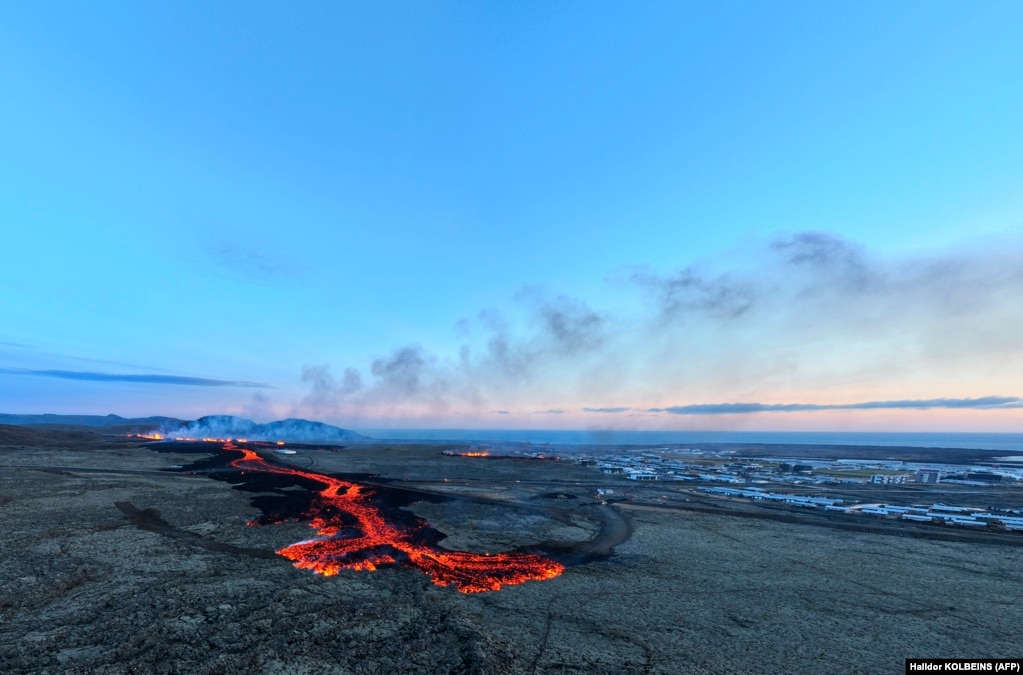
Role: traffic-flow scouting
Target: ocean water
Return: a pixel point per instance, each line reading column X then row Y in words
column 1010, row 442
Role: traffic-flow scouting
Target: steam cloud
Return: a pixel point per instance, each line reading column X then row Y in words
column 229, row 426
column 561, row 329
column 807, row 311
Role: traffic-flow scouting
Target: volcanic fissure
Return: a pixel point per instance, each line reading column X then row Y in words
column 355, row 529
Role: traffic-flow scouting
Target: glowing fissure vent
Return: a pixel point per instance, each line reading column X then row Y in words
column 378, row 542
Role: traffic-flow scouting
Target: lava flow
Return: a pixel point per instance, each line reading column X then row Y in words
column 355, row 535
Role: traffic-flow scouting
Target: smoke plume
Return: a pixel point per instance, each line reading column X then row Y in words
column 229, row 426
column 805, row 312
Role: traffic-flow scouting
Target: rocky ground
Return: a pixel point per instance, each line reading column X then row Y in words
column 85, row 590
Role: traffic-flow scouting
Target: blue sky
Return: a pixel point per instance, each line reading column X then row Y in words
column 472, row 214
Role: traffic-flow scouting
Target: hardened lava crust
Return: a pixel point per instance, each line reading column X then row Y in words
column 118, row 559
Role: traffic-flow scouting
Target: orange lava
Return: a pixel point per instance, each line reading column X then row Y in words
column 378, row 542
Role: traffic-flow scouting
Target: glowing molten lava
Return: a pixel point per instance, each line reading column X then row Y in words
column 467, row 453
column 355, row 535
column 149, row 437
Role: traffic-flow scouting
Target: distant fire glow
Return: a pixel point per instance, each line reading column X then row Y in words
column 500, row 454
column 467, row 453
column 148, row 437
column 373, row 541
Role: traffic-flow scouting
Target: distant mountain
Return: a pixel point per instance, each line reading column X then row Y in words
column 38, row 436
column 229, row 426
column 87, row 420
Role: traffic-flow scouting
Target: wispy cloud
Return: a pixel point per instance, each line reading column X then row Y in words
column 250, row 262
column 552, row 411
column 687, row 292
column 606, row 410
column 142, row 378
column 982, row 403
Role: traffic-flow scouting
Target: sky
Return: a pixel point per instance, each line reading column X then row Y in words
column 533, row 215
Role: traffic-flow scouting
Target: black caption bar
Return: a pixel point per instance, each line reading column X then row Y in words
column 918, row 666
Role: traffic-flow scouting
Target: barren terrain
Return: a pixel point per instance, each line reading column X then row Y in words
column 87, row 585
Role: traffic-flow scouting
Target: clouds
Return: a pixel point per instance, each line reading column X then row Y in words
column 556, row 329
column 821, row 250
column 403, row 373
column 796, row 324
column 250, row 258
column 808, row 316
column 570, row 325
column 980, row 403
column 812, row 311
column 681, row 295
column 134, row 378
column 983, row 403
column 259, row 407
column 326, row 393
column 502, row 352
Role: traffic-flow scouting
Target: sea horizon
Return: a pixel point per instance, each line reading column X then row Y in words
column 965, row 440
